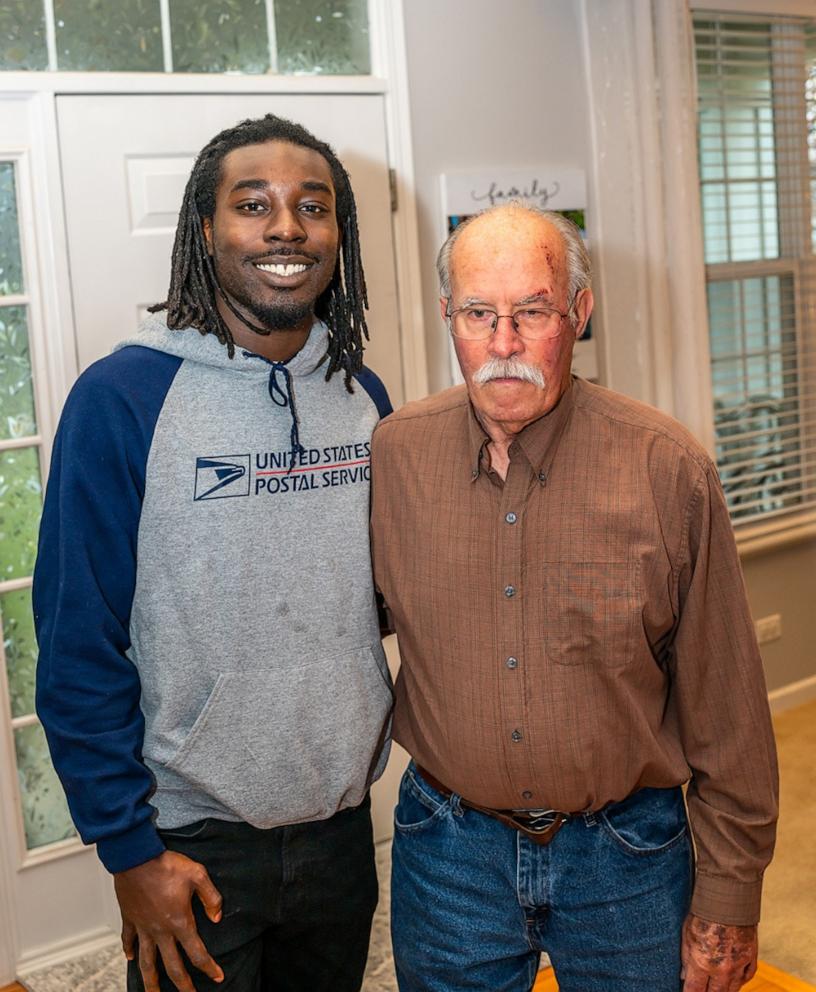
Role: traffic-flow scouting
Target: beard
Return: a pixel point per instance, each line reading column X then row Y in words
column 260, row 314
column 280, row 316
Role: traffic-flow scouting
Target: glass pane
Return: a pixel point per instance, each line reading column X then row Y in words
column 11, row 266
column 109, row 34
column 219, row 35
column 737, row 141
column 756, row 397
column 20, row 507
column 16, row 388
column 21, row 649
column 323, row 36
column 22, row 35
column 45, row 811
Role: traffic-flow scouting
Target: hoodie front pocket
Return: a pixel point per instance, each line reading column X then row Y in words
column 289, row 744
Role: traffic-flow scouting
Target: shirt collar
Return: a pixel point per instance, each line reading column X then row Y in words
column 538, row 442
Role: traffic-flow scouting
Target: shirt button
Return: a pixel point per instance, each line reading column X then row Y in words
column 526, row 794
column 512, row 662
column 509, row 591
column 474, row 474
column 516, row 736
column 511, row 518
column 542, row 476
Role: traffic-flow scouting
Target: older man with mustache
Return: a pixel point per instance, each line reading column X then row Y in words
column 576, row 646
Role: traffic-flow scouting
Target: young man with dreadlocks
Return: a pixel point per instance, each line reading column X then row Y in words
column 211, row 676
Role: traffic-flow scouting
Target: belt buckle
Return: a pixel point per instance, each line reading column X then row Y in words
column 543, row 827
column 544, row 820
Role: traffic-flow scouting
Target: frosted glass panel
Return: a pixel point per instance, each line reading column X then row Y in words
column 45, row 811
column 109, row 34
column 219, row 35
column 22, row 35
column 20, row 507
column 11, row 267
column 20, row 646
column 323, row 36
column 16, row 389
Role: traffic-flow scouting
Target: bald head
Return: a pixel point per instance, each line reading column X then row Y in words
column 517, row 230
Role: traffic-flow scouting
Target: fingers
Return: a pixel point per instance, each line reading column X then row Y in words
column 208, row 894
column 129, row 939
column 201, row 958
column 147, row 964
column 695, row 979
column 174, row 966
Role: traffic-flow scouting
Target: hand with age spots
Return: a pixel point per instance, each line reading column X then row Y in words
column 717, row 957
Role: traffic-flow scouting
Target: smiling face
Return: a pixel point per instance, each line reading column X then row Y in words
column 503, row 260
column 274, row 241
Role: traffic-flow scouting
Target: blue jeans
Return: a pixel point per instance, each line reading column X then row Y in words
column 474, row 902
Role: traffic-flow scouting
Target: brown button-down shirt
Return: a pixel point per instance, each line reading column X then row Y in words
column 579, row 630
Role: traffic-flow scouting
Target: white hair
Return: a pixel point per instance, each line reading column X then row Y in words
column 579, row 266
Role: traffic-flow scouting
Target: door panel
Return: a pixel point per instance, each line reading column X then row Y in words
column 125, row 161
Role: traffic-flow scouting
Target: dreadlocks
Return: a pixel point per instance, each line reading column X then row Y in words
column 191, row 299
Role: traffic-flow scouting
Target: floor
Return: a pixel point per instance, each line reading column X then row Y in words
column 788, row 925
column 767, row 979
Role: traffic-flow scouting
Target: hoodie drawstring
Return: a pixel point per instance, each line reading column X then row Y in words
column 283, row 397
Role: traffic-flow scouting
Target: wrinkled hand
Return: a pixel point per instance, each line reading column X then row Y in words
column 155, row 900
column 717, row 957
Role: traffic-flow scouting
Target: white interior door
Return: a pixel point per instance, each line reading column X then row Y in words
column 125, row 162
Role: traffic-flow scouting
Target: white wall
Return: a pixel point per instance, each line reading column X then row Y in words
column 492, row 85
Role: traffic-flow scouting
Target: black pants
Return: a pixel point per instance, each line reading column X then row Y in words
column 298, row 904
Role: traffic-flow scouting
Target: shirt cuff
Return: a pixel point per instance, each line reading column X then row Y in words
column 726, row 900
column 130, row 849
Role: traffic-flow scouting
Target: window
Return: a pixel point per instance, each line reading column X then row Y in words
column 44, row 810
column 238, row 36
column 757, row 159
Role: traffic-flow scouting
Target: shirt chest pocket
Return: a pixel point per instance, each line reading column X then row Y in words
column 593, row 612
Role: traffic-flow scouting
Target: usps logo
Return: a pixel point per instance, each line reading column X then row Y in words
column 221, row 476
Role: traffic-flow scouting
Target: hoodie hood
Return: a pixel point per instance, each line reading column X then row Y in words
column 205, row 349
column 189, row 344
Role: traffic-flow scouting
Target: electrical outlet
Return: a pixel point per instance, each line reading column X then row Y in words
column 769, row 628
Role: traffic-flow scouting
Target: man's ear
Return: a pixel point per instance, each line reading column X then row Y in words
column 443, row 306
column 206, row 224
column 583, row 310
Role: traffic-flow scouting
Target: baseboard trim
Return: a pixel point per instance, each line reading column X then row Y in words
column 795, row 694
column 65, row 950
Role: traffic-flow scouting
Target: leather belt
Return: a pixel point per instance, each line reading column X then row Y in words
column 540, row 826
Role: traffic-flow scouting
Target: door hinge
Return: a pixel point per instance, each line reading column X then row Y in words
column 392, row 183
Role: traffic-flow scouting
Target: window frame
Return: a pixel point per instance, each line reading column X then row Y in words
column 645, row 218
column 759, row 534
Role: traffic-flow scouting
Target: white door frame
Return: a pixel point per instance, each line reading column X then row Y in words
column 54, row 351
column 40, row 91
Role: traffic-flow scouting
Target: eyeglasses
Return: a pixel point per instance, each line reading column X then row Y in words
column 477, row 323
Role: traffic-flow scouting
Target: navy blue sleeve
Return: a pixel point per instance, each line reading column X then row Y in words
column 373, row 385
column 88, row 691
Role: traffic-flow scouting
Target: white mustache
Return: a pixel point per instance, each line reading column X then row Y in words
column 509, row 368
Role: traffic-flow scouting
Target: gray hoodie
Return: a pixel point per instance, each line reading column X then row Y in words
column 259, row 671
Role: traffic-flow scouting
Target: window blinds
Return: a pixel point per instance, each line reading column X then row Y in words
column 757, row 159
